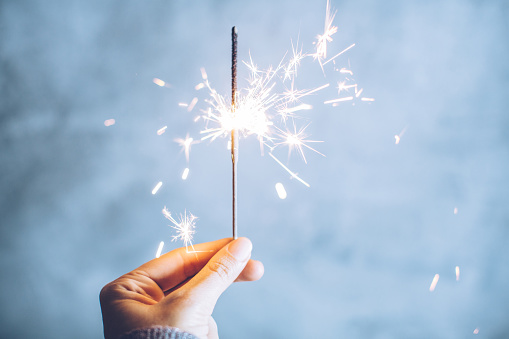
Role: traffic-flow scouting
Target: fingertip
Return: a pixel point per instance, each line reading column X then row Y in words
column 253, row 271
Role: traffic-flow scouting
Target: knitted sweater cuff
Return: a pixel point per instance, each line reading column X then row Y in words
column 158, row 332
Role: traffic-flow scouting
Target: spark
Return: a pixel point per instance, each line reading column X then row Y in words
column 192, row 104
column 342, row 86
column 185, row 228
column 162, row 130
column 347, row 71
column 455, row 210
column 328, row 32
column 343, row 51
column 281, row 192
column 159, row 249
column 109, row 122
column 297, row 140
column 157, row 187
column 199, row 86
column 160, row 82
column 476, row 331
column 294, row 63
column 358, row 93
column 338, row 100
column 398, row 136
column 288, row 170
column 367, row 99
column 457, row 273
column 185, row 173
column 186, row 145
column 434, row 283
column 203, row 73
column 183, row 104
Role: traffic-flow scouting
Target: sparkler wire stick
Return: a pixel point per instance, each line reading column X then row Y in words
column 234, row 133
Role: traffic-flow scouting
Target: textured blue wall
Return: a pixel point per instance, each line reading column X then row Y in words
column 351, row 257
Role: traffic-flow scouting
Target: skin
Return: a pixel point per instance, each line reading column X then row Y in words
column 178, row 289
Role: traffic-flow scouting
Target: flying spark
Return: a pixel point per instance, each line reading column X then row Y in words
column 162, row 130
column 476, row 331
column 434, row 283
column 455, row 210
column 109, row 122
column 457, row 273
column 159, row 249
column 281, row 192
column 185, row 173
column 398, row 136
column 160, row 82
column 157, row 187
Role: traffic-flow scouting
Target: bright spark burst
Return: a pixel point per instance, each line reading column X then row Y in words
column 326, row 37
column 185, row 228
column 434, row 283
column 186, row 145
column 272, row 100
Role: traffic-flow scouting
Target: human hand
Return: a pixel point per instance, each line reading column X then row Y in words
column 178, row 289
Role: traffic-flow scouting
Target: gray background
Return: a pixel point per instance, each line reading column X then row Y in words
column 351, row 257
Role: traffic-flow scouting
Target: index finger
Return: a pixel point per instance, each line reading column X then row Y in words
column 172, row 268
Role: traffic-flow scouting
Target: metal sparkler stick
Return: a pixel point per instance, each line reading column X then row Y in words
column 234, row 133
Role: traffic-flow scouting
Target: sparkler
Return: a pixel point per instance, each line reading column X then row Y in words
column 234, row 133
column 268, row 106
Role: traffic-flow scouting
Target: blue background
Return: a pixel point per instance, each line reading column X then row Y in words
column 351, row 257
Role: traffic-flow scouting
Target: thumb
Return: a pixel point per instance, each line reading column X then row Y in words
column 219, row 273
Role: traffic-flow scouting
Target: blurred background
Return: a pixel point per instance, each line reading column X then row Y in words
column 353, row 256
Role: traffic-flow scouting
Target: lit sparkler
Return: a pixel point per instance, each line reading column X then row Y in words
column 268, row 105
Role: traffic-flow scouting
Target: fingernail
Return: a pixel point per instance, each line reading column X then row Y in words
column 240, row 248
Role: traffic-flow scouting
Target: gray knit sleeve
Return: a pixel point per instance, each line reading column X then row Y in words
column 158, row 332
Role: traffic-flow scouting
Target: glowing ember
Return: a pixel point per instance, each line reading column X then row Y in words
column 281, row 192
column 162, row 130
column 185, row 174
column 160, row 82
column 159, row 249
column 476, row 331
column 434, row 283
column 192, row 104
column 109, row 122
column 157, row 187
column 455, row 210
column 457, row 273
column 398, row 137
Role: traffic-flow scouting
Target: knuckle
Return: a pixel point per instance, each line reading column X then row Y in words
column 223, row 268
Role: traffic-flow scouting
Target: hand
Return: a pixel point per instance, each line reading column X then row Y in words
column 178, row 289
